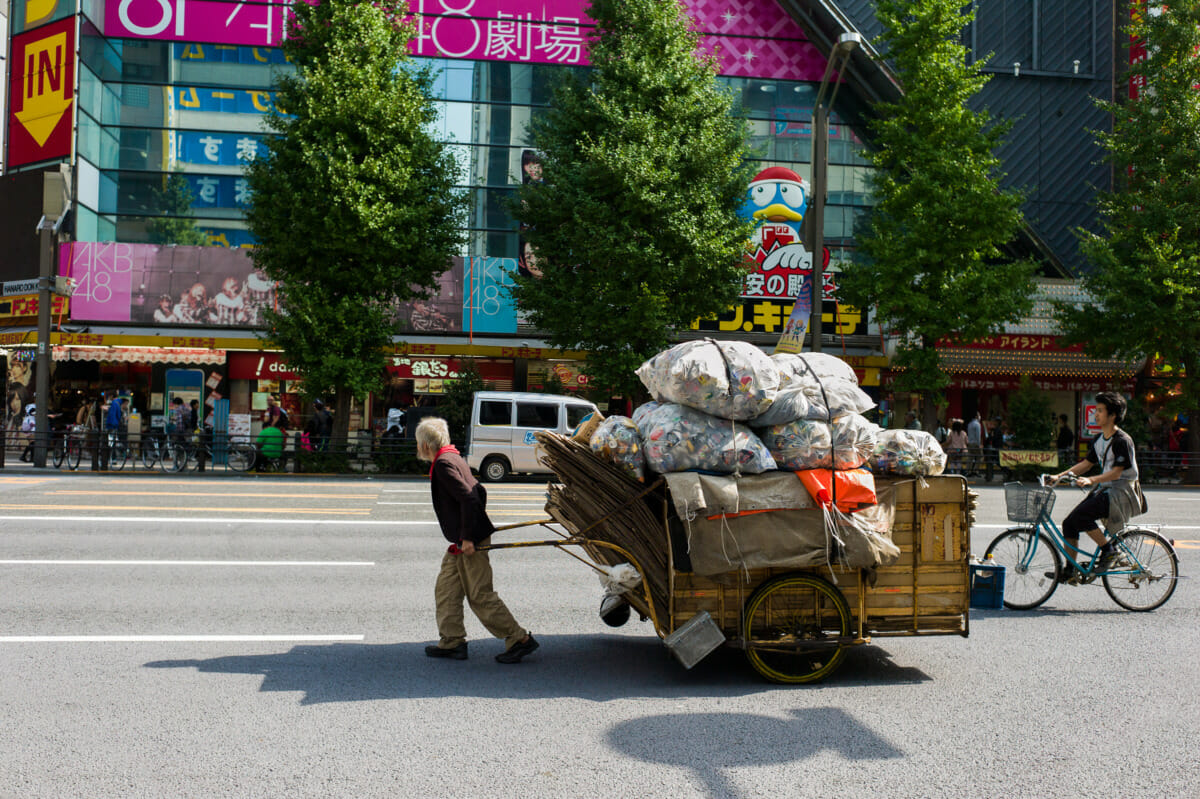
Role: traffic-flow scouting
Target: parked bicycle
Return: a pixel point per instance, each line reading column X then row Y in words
column 68, row 446
column 180, row 454
column 118, row 449
column 1142, row 577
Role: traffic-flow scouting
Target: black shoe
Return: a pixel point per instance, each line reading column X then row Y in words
column 457, row 653
column 518, row 650
column 1069, row 574
column 1107, row 559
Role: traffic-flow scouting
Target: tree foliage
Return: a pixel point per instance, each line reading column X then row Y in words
column 1031, row 417
column 930, row 260
column 1145, row 276
column 354, row 208
column 636, row 227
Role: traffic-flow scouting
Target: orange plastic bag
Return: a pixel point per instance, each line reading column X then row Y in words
column 854, row 488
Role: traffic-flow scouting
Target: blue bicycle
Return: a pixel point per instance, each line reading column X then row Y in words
column 1034, row 555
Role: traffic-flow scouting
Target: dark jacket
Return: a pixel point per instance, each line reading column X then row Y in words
column 459, row 501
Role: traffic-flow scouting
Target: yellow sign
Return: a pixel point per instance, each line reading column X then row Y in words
column 38, row 11
column 46, row 64
column 1028, row 457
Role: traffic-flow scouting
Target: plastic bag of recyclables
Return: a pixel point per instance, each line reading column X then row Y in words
column 907, row 452
column 813, row 386
column 845, row 443
column 729, row 379
column 617, row 440
column 676, row 438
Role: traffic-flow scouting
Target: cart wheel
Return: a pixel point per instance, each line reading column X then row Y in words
column 795, row 628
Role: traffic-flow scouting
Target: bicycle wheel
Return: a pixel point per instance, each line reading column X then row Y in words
column 118, row 455
column 1145, row 574
column 74, row 453
column 1030, row 577
column 59, row 449
column 241, row 456
column 151, row 452
column 797, row 628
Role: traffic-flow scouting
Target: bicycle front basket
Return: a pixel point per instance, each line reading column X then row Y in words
column 1027, row 505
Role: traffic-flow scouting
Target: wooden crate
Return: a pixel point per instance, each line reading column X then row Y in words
column 926, row 592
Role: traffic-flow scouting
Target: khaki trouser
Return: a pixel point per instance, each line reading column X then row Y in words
column 469, row 577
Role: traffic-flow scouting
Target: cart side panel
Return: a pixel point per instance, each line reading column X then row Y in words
column 928, row 590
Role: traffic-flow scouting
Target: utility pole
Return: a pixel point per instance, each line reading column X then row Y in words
column 56, row 201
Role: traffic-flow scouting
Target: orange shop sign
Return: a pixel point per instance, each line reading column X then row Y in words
column 41, row 92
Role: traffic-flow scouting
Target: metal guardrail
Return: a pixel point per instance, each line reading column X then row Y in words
column 360, row 453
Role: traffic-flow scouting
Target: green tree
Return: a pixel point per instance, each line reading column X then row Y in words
column 636, row 226
column 354, row 205
column 176, row 225
column 1145, row 276
column 930, row 260
column 455, row 406
column 1031, row 417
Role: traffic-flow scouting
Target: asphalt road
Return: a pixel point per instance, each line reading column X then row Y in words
column 179, row 637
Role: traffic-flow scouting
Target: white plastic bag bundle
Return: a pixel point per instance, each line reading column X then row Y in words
column 729, row 379
column 907, row 452
column 676, row 438
column 829, row 397
column 641, row 411
column 846, row 443
column 617, row 440
column 804, row 365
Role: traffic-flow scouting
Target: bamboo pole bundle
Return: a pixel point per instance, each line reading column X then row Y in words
column 596, row 500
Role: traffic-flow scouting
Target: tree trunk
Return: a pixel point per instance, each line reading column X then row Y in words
column 1192, row 453
column 341, row 419
column 929, row 417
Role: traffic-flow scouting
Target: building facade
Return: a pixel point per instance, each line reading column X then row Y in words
column 157, row 104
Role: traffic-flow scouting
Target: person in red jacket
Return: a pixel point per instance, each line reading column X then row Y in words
column 460, row 502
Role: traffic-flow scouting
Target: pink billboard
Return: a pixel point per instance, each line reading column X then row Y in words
column 752, row 38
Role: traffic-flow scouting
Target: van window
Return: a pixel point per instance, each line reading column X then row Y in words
column 537, row 414
column 576, row 414
column 495, row 412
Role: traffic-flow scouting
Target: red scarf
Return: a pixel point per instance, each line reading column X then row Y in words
column 440, row 453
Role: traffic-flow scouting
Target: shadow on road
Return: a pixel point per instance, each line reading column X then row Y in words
column 709, row 743
column 595, row 667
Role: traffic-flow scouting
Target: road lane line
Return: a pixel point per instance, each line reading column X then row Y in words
column 206, row 520
column 192, row 509
column 110, row 493
column 490, row 505
column 303, row 563
column 139, row 639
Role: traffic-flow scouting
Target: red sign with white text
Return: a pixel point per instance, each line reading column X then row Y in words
column 259, row 366
column 41, row 92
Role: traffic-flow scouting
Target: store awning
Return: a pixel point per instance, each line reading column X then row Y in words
column 1035, row 363
column 140, row 355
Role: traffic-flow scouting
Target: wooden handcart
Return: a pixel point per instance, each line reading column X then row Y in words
column 794, row 625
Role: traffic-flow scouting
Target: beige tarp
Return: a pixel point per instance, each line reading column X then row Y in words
column 756, row 521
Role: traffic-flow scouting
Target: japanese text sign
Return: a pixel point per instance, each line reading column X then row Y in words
column 752, row 38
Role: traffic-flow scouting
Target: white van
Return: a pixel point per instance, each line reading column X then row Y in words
column 500, row 434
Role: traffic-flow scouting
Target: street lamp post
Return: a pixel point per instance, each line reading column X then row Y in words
column 820, row 168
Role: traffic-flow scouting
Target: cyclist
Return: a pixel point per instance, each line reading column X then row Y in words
column 1116, row 494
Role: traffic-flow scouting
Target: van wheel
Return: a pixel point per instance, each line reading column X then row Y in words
column 494, row 470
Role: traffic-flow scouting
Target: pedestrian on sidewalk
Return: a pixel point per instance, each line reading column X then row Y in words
column 460, row 503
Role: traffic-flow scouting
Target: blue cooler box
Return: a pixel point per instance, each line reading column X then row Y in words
column 987, row 586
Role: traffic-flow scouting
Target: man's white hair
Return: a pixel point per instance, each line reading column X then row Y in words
column 433, row 433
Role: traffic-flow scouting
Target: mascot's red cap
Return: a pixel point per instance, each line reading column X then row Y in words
column 777, row 173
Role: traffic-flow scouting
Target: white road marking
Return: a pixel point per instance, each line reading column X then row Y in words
column 205, row 520
column 490, row 504
column 304, row 563
column 138, row 639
